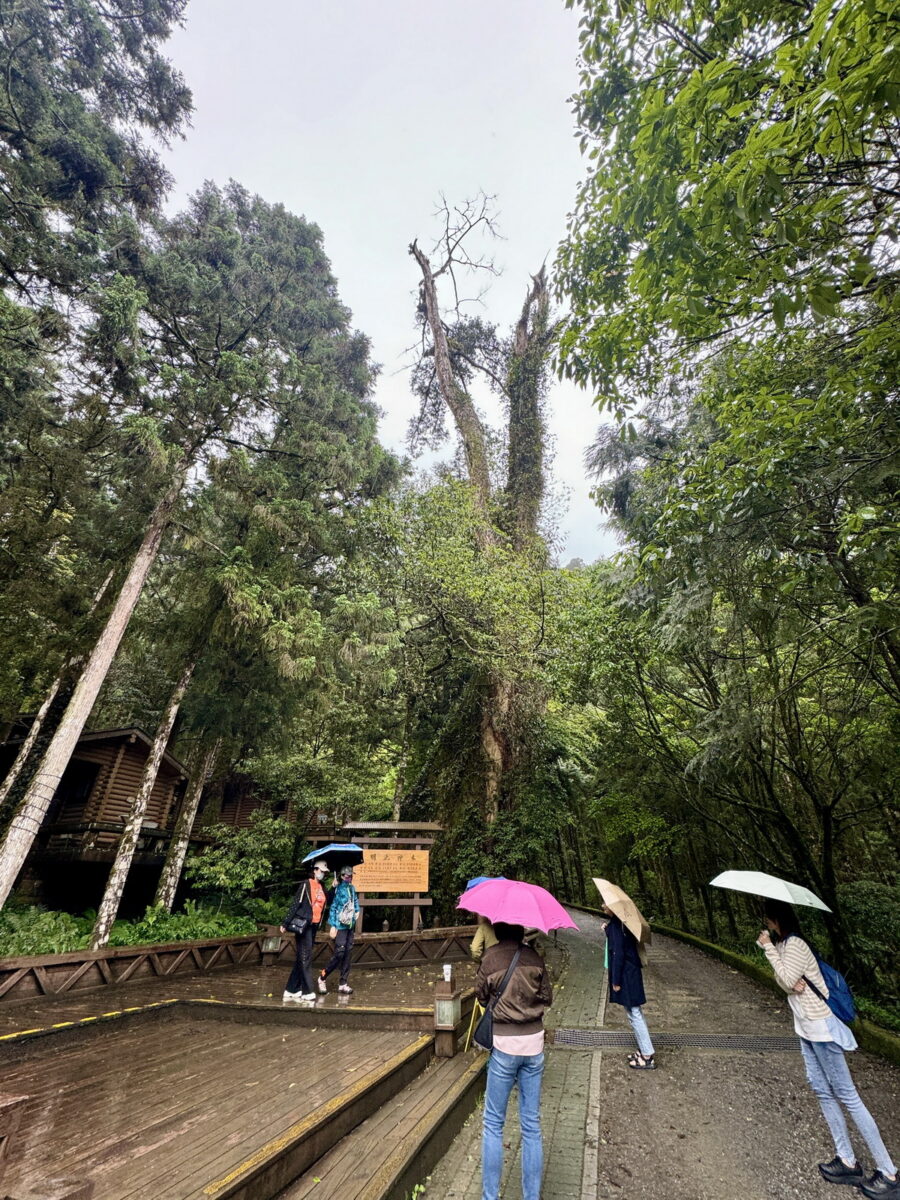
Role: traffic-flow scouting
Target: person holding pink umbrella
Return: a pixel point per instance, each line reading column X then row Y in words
column 513, row 977
column 512, row 982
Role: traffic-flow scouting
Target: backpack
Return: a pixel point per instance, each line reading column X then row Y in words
column 840, row 998
column 347, row 914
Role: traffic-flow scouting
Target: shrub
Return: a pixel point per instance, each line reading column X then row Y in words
column 194, row 923
column 38, row 931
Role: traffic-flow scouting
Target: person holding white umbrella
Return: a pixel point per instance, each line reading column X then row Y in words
column 823, row 1040
column 823, row 1036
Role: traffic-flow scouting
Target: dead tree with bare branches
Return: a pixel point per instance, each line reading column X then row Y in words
column 456, row 350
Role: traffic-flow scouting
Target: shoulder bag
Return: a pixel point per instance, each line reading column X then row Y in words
column 840, row 998
column 295, row 924
column 484, row 1030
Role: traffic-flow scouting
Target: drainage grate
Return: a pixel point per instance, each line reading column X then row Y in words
column 596, row 1039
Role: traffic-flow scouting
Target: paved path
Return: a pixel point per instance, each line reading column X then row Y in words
column 707, row 1125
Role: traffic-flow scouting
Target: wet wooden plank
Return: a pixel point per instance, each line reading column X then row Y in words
column 400, row 987
column 280, row 1110
column 348, row 1169
column 69, row 1094
column 169, row 1106
column 232, row 1132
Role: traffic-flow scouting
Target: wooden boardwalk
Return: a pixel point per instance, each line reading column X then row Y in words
column 163, row 1109
column 257, row 987
column 376, row 1155
column 147, row 1096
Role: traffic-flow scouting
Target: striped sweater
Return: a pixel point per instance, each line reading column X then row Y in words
column 791, row 960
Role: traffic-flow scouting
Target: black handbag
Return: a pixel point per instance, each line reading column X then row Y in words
column 484, row 1030
column 295, row 924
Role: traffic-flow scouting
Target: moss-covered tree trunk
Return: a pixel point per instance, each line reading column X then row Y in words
column 507, row 514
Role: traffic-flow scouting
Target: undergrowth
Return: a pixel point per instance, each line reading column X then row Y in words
column 35, row 930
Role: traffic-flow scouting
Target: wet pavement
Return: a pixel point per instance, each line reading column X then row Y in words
column 708, row 1124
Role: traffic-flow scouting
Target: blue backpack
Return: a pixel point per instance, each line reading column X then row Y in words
column 839, row 998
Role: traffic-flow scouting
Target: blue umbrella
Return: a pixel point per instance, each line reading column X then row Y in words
column 480, row 879
column 337, row 854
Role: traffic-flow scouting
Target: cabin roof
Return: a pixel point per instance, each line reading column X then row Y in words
column 107, row 735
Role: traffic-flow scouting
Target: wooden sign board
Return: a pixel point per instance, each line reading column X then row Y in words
column 392, row 871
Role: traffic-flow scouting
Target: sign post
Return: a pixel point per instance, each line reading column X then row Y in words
column 397, row 861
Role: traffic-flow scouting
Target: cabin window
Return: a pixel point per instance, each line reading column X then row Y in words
column 73, row 792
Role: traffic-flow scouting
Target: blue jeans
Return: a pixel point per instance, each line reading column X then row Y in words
column 829, row 1077
column 504, row 1070
column 640, row 1031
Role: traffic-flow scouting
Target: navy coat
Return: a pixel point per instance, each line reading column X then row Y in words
column 624, row 966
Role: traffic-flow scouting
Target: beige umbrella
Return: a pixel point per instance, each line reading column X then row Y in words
column 625, row 909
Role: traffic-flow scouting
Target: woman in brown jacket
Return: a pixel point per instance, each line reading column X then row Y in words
column 517, row 1057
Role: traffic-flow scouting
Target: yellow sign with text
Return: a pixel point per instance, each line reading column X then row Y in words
column 392, row 871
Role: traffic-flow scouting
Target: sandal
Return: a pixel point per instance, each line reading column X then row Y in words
column 640, row 1062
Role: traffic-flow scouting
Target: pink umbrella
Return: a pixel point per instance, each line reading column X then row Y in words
column 516, row 903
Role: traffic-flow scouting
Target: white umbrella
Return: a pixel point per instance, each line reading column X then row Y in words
column 758, row 883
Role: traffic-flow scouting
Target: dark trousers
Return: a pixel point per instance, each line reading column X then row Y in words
column 301, row 979
column 343, row 945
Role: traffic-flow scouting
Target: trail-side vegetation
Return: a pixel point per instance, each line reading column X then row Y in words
column 201, row 535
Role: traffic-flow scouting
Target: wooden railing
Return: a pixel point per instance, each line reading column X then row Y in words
column 56, row 974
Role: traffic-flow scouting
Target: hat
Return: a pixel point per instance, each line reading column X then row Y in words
column 346, row 872
column 320, row 865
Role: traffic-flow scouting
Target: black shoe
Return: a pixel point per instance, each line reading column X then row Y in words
column 837, row 1171
column 879, row 1185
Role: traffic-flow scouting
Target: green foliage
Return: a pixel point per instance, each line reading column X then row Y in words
column 240, row 859
column 732, row 272
column 195, row 923
column 871, row 907
column 36, row 931
column 265, row 910
column 743, row 175
column 889, row 1018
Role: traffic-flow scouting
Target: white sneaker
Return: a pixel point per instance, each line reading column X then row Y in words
column 323, row 986
column 345, row 988
column 291, row 996
column 308, row 996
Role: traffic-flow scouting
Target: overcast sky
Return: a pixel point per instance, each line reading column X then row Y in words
column 358, row 116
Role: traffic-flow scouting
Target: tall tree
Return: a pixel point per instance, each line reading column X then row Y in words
column 82, row 86
column 237, row 301
column 455, row 350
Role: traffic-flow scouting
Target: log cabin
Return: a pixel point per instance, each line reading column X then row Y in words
column 77, row 840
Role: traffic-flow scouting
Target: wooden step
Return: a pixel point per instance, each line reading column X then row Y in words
column 388, row 1154
column 188, row 1109
column 265, row 1172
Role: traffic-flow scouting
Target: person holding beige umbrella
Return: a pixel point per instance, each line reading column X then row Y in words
column 627, row 933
